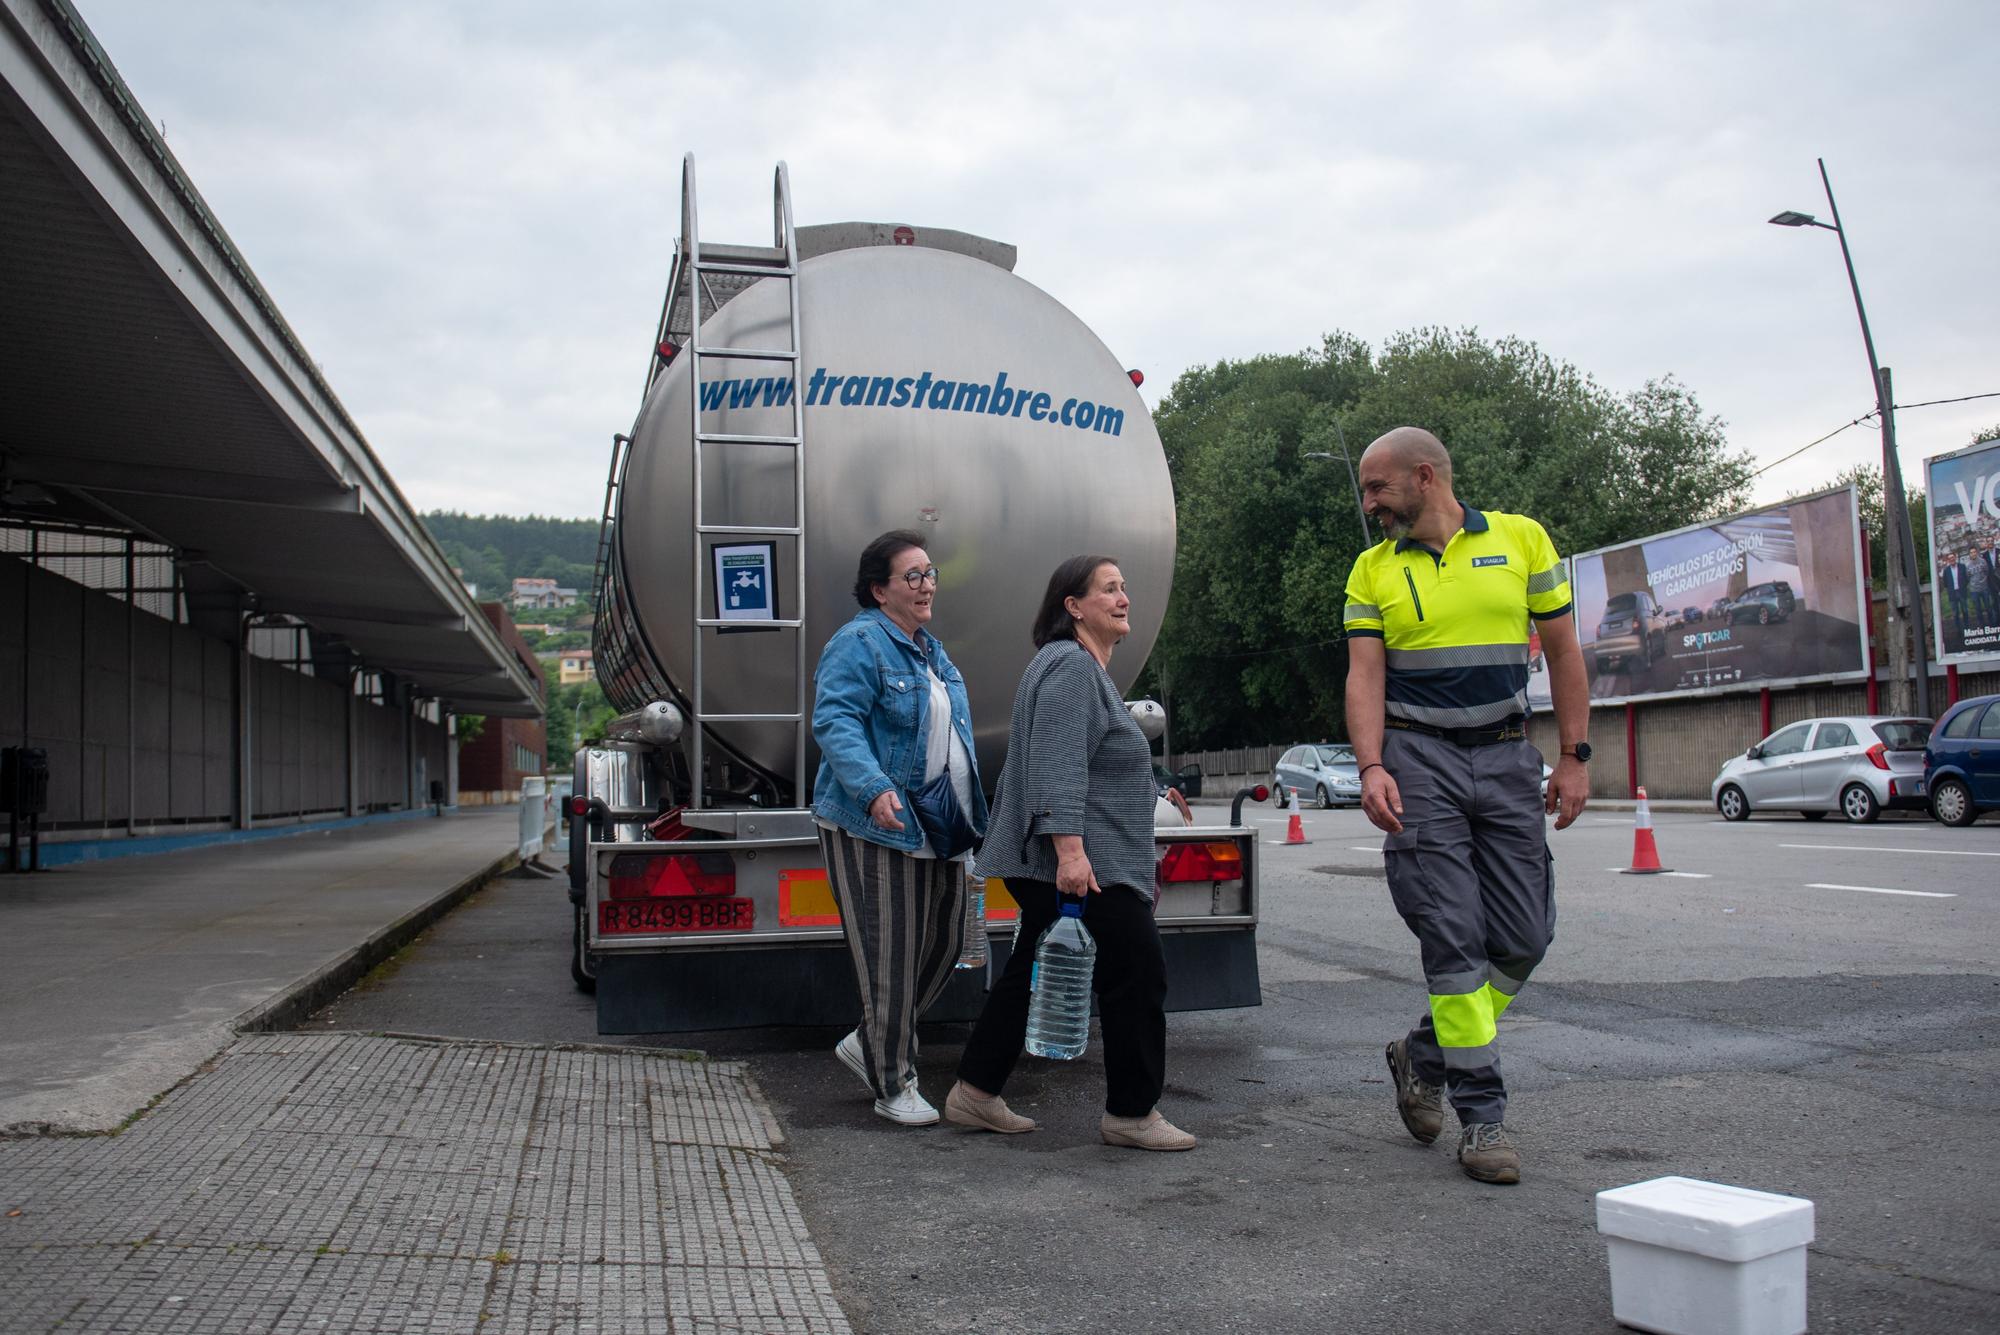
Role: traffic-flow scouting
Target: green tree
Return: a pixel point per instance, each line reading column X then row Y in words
column 577, row 715
column 1252, row 648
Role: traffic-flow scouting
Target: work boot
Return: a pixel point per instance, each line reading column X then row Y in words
column 1421, row 1106
column 985, row 1114
column 1151, row 1132
column 1485, row 1153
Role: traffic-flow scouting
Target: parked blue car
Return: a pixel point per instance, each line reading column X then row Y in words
column 1962, row 762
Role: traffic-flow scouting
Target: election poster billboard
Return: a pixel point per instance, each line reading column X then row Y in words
column 1964, row 492
column 1766, row 598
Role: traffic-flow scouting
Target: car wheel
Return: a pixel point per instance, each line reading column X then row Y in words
column 1732, row 804
column 1277, row 792
column 1324, row 798
column 579, row 959
column 1858, row 804
column 1813, row 815
column 1763, row 616
column 1951, row 803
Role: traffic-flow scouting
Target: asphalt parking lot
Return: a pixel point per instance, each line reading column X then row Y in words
column 1802, row 1007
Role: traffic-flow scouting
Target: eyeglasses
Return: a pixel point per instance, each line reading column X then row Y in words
column 916, row 578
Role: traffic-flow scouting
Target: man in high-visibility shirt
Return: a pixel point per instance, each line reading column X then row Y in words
column 1437, row 622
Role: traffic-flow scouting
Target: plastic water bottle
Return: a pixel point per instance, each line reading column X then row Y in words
column 973, row 954
column 1059, row 986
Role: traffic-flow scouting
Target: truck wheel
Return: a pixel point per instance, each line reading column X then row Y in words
column 1951, row 803
column 1732, row 804
column 579, row 961
column 1858, row 804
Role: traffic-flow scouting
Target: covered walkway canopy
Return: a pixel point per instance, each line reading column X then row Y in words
column 153, row 388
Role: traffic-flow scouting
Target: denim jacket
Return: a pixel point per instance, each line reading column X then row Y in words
column 871, row 714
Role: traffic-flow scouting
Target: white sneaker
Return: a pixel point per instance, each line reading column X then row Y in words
column 849, row 1052
column 908, row 1108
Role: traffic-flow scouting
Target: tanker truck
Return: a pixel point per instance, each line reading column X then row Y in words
column 801, row 398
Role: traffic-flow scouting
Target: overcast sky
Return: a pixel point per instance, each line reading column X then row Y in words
column 467, row 211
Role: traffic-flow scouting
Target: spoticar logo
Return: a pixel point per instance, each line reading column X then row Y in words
column 925, row 390
column 1703, row 639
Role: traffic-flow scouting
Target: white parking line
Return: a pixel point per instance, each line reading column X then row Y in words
column 1689, row 875
column 1863, row 848
column 1881, row 890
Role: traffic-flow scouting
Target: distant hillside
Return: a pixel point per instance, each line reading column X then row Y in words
column 495, row 550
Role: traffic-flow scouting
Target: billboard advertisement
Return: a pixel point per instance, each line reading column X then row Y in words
column 1964, row 491
column 1759, row 599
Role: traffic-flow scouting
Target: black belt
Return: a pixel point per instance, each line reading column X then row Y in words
column 1512, row 730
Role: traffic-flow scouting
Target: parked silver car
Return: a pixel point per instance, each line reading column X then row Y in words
column 1855, row 764
column 1323, row 774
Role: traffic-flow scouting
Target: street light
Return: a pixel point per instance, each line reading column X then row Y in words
column 1902, row 544
column 1341, row 436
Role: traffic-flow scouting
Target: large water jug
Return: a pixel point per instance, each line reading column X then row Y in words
column 973, row 954
column 1059, row 986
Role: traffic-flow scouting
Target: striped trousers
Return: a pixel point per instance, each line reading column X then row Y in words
column 904, row 919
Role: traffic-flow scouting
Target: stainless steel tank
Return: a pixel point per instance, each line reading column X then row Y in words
column 970, row 406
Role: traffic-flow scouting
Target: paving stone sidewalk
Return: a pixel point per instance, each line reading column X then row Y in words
column 321, row 1182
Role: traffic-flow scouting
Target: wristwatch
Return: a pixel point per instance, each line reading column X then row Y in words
column 1581, row 751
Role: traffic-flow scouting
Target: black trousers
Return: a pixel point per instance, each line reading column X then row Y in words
column 1131, row 986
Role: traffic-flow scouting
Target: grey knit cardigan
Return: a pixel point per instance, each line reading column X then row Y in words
column 1076, row 764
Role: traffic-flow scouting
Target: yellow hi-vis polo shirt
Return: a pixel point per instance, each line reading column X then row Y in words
column 1454, row 624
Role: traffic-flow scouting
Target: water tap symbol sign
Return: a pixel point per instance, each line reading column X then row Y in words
column 743, row 576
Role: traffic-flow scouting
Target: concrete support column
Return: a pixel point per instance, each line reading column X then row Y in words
column 353, row 745
column 245, row 766
column 451, row 759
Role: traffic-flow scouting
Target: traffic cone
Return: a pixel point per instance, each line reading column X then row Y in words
column 1645, row 853
column 1295, row 832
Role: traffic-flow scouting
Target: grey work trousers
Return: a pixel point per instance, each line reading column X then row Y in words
column 1471, row 875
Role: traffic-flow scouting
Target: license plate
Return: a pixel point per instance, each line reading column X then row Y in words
column 629, row 916
column 1920, row 788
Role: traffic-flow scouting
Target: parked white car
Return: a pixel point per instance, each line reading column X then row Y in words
column 1855, row 764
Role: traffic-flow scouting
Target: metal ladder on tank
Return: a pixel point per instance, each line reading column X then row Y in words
column 694, row 265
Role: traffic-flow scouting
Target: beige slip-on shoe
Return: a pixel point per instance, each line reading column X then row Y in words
column 988, row 1114
column 1151, row 1132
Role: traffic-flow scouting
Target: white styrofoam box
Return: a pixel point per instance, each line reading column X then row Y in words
column 1702, row 1258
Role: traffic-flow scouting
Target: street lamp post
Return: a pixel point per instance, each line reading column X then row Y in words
column 1909, row 658
column 1355, row 481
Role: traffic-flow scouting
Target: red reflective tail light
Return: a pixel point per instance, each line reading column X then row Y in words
column 1219, row 861
column 1878, row 755
column 579, row 805
column 661, row 875
column 1260, row 793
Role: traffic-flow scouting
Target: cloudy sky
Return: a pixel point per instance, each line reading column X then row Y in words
column 467, row 210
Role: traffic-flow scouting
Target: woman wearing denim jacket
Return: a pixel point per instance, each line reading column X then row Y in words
column 890, row 715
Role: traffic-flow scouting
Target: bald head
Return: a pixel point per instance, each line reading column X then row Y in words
column 1404, row 447
column 1405, row 478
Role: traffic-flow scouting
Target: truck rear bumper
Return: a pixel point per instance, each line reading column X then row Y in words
column 813, row 984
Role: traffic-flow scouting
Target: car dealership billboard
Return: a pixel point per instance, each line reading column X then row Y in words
column 1765, row 598
column 1964, row 492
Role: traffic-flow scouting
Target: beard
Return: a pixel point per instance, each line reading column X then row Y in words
column 1396, row 524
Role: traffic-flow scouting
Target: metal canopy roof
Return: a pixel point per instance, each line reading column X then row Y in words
column 151, row 384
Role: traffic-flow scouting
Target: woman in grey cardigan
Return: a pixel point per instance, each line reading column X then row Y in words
column 1073, row 815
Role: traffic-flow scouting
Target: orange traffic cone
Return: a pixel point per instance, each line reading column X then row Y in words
column 1295, row 832
column 1645, row 853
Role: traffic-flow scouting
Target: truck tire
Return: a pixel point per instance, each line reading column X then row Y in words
column 579, row 960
